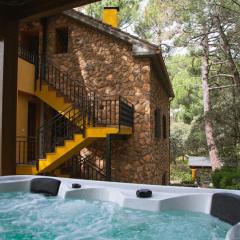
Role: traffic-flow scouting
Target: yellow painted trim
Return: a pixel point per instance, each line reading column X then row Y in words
column 71, row 147
column 26, row 170
column 125, row 130
column 50, row 97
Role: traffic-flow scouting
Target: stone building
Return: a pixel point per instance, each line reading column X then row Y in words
column 114, row 65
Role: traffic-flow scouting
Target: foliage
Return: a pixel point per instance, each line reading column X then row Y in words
column 129, row 10
column 226, row 178
column 187, row 181
column 226, row 115
column 180, row 171
column 179, row 136
column 187, row 132
column 184, row 24
column 152, row 23
column 184, row 72
column 196, row 142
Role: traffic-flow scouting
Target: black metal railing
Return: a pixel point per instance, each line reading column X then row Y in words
column 26, row 150
column 72, row 120
column 73, row 90
column 126, row 113
column 27, row 55
column 51, row 134
column 87, row 110
column 58, row 129
column 87, row 167
column 75, row 120
column 110, row 112
column 102, row 111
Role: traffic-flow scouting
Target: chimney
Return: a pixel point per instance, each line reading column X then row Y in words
column 110, row 16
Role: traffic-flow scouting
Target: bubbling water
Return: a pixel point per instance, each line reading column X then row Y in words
column 33, row 216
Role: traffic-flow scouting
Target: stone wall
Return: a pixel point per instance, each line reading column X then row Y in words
column 160, row 146
column 106, row 65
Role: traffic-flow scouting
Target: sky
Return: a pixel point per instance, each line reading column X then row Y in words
column 144, row 3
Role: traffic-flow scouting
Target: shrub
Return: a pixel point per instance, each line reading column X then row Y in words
column 187, row 179
column 226, row 178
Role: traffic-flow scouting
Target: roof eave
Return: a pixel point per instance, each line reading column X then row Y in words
column 159, row 58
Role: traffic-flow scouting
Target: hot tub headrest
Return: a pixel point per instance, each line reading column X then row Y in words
column 226, row 206
column 48, row 186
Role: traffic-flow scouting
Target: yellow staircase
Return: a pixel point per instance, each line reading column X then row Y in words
column 71, row 147
column 50, row 96
column 56, row 92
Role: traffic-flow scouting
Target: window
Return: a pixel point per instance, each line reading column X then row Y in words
column 61, row 40
column 164, row 179
column 157, row 118
column 164, row 124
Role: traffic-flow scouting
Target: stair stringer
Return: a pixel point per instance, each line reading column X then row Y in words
column 51, row 97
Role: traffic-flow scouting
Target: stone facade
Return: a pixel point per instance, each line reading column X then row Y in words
column 106, row 64
column 160, row 146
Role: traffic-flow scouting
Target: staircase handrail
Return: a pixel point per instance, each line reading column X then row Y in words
column 50, row 68
column 55, row 117
column 90, row 163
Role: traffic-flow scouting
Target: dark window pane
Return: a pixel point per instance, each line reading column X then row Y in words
column 164, row 123
column 61, row 40
column 157, row 117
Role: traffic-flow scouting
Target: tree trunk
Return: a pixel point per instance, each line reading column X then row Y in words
column 208, row 125
column 236, row 79
column 228, row 54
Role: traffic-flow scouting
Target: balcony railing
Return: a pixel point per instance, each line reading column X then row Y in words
column 26, row 150
column 28, row 56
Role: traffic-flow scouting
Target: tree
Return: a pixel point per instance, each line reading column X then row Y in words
column 179, row 135
column 197, row 31
column 154, row 21
column 184, row 71
column 209, row 30
column 226, row 21
column 187, row 131
column 208, row 124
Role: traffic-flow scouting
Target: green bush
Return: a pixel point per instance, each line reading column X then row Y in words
column 226, row 178
column 187, row 182
column 187, row 179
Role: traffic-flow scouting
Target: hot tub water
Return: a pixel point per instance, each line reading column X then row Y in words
column 33, row 216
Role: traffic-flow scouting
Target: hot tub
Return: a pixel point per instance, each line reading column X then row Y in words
column 107, row 210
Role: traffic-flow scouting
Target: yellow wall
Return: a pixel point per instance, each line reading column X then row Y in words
column 22, row 114
column 26, row 76
column 22, row 122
